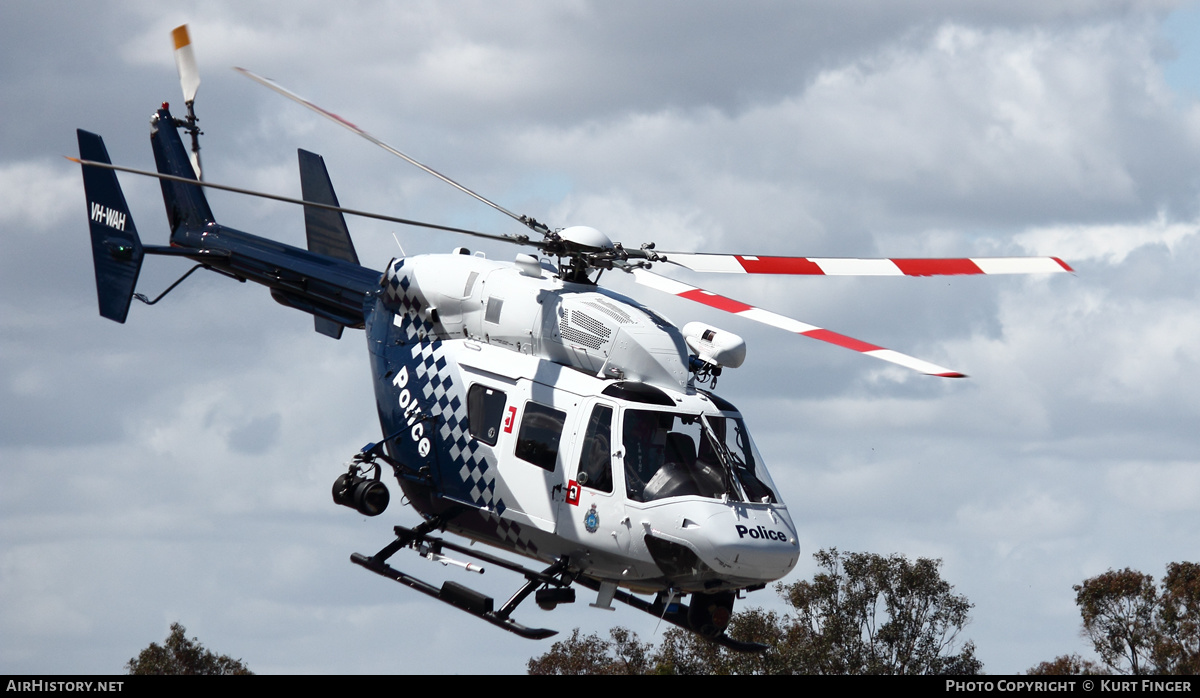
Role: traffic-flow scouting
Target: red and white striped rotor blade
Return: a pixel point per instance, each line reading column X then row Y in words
column 845, row 266
column 699, row 295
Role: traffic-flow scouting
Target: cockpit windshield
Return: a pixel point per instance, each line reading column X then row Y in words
column 668, row 454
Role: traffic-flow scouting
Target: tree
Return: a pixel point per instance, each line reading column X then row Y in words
column 1118, row 617
column 685, row 653
column 867, row 614
column 862, row 614
column 592, row 655
column 1068, row 665
column 180, row 655
column 1177, row 645
column 1135, row 627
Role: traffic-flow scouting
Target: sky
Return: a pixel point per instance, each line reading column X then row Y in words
column 178, row 467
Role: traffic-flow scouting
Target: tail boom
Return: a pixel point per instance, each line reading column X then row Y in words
column 330, row 285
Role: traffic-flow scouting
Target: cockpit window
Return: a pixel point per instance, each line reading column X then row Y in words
column 730, row 437
column 673, row 455
column 595, row 462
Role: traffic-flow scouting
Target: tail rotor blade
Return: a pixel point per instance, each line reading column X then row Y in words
column 729, row 305
column 185, row 61
column 189, row 80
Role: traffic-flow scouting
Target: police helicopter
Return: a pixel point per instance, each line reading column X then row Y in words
column 522, row 404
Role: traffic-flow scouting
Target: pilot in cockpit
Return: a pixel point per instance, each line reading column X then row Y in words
column 645, row 438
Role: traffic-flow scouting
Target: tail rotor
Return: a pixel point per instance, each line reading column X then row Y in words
column 189, row 80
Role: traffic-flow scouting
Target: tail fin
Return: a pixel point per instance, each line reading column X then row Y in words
column 116, row 249
column 187, row 207
column 326, row 230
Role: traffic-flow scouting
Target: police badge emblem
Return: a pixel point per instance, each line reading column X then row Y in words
column 591, row 520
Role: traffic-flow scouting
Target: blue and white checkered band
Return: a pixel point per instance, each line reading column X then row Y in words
column 401, row 297
column 474, row 467
column 468, row 470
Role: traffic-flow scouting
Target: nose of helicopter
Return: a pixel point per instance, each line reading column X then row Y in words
column 746, row 544
column 757, row 542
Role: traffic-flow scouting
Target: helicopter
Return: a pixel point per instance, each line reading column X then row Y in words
column 522, row 404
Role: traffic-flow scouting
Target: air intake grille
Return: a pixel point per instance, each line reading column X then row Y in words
column 580, row 336
column 610, row 310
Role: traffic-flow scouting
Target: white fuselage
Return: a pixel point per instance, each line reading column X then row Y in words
column 571, row 428
column 581, row 326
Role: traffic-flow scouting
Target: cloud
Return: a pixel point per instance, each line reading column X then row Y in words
column 1156, row 486
column 1110, row 244
column 184, row 458
column 1027, row 517
column 32, row 192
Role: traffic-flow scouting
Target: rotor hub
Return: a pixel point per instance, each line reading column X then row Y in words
column 586, row 238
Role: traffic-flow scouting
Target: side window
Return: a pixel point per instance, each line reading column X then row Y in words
column 485, row 411
column 595, row 463
column 541, row 429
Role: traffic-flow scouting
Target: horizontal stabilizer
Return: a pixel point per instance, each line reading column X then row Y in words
column 329, row 328
column 116, row 249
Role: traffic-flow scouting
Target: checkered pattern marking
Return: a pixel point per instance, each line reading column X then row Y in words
column 401, row 297
column 442, row 397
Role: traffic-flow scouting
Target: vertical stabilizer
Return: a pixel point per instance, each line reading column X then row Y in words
column 187, row 207
column 326, row 230
column 116, row 249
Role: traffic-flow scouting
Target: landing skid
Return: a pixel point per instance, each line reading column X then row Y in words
column 675, row 613
column 556, row 576
column 464, row 598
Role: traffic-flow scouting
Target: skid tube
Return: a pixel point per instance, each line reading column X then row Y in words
column 675, row 613
column 464, row 598
column 481, row 605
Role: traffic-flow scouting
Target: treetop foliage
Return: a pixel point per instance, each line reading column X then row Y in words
column 1118, row 617
column 1136, row 627
column 1068, row 665
column 181, row 656
column 592, row 655
column 861, row 614
column 1177, row 646
column 869, row 614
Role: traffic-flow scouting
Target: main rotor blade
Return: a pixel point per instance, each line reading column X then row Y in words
column 517, row 239
column 531, row 223
column 835, row 266
column 713, row 300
